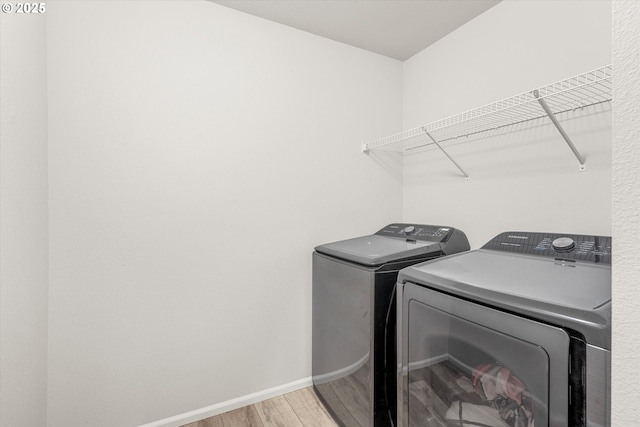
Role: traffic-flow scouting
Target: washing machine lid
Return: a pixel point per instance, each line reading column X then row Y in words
column 553, row 286
column 377, row 250
column 395, row 242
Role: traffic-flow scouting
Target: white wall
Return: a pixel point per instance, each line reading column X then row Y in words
column 522, row 180
column 626, row 205
column 23, row 221
column 197, row 155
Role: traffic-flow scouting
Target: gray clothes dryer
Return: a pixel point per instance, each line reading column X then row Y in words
column 354, row 362
column 514, row 333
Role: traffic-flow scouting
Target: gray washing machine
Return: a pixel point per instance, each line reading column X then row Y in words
column 354, row 362
column 515, row 333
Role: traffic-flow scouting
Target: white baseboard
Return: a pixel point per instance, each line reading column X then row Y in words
column 342, row 372
column 229, row 405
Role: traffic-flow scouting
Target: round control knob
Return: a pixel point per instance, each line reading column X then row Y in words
column 410, row 229
column 563, row 244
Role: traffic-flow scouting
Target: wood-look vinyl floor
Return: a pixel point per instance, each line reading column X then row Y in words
column 300, row 408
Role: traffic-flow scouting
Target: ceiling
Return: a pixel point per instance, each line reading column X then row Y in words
column 395, row 28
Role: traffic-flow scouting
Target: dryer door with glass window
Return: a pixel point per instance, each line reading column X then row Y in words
column 465, row 364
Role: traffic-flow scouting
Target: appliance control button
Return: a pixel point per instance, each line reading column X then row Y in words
column 410, row 229
column 563, row 244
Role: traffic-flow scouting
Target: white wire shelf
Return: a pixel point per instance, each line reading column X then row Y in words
column 578, row 92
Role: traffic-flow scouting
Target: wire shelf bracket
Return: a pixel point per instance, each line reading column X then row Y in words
column 558, row 126
column 466, row 175
column 578, row 92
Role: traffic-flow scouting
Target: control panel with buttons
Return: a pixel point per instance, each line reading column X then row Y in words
column 571, row 247
column 431, row 233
